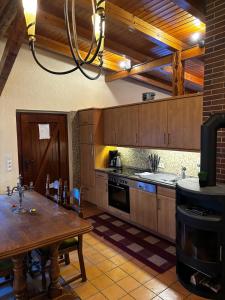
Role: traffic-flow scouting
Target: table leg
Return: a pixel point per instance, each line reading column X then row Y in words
column 19, row 283
column 55, row 288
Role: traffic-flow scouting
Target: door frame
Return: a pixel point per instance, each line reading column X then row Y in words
column 69, row 140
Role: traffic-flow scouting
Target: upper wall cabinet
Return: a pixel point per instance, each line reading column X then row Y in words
column 121, row 126
column 127, row 126
column 171, row 124
column 110, row 126
column 153, row 124
column 184, row 123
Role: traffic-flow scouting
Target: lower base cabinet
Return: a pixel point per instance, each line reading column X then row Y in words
column 143, row 208
column 101, row 189
column 167, row 212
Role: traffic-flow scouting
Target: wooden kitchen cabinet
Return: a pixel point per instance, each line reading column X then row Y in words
column 127, row 126
column 91, row 136
column 153, row 124
column 166, row 212
column 143, row 208
column 101, row 190
column 184, row 123
column 87, row 172
column 110, row 116
column 121, row 126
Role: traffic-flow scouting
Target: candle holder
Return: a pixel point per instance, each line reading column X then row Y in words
column 19, row 188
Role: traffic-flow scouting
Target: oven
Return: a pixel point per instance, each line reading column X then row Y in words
column 118, row 188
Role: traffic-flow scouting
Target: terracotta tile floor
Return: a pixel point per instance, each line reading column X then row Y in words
column 112, row 274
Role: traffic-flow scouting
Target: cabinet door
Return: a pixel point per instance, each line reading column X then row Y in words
column 175, row 123
column 85, row 117
column 101, row 190
column 86, row 134
column 127, row 129
column 87, row 165
column 192, row 120
column 184, row 123
column 143, row 208
column 110, row 126
column 153, row 124
column 166, row 216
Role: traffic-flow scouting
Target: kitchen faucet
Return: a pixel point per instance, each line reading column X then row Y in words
column 183, row 174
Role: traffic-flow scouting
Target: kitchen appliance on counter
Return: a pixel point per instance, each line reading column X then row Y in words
column 118, row 189
column 115, row 159
column 112, row 158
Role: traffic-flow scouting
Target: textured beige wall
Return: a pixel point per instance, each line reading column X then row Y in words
column 30, row 88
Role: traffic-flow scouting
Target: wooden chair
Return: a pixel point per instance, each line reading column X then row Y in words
column 69, row 245
column 6, row 270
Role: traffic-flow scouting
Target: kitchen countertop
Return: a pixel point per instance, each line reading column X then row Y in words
column 130, row 173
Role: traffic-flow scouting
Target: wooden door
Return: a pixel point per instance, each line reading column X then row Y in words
column 43, row 147
column 192, row 120
column 127, row 130
column 153, row 124
column 110, row 126
column 143, row 208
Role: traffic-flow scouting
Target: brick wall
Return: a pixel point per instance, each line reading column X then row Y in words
column 214, row 87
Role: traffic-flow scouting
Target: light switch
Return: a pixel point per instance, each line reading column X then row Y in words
column 8, row 162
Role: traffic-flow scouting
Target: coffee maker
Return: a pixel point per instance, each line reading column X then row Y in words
column 112, row 159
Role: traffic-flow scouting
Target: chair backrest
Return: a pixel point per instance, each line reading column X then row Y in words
column 54, row 190
column 77, row 199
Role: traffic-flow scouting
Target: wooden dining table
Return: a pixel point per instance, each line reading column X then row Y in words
column 21, row 233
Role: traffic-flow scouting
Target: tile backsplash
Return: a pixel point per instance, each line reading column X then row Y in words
column 172, row 160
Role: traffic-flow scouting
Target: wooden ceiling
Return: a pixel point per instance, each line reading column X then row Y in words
column 146, row 31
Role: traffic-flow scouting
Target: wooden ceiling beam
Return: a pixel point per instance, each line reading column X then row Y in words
column 12, row 47
column 155, row 34
column 7, row 15
column 187, row 76
column 143, row 68
column 60, row 48
column 153, row 82
column 85, row 34
column 195, row 7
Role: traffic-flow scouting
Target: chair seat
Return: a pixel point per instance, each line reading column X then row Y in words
column 5, row 265
column 69, row 243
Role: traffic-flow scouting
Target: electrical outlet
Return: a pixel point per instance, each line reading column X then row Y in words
column 161, row 165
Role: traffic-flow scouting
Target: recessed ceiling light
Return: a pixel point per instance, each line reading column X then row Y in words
column 196, row 36
column 197, row 22
column 125, row 64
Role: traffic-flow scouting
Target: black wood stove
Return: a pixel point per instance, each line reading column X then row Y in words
column 200, row 219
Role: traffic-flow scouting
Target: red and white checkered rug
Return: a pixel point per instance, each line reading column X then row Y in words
column 153, row 251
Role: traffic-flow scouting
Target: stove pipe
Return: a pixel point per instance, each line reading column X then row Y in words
column 208, row 146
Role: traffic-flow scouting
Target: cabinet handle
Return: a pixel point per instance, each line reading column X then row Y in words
column 159, row 207
column 221, row 253
column 136, row 139
column 164, row 138
column 92, row 151
column 168, row 138
column 115, row 139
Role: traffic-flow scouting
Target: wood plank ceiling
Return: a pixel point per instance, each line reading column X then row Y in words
column 141, row 30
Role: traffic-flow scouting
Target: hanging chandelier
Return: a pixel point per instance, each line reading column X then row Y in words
column 95, row 53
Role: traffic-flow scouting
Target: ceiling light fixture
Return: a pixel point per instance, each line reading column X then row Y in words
column 196, row 37
column 197, row 22
column 125, row 64
column 96, row 49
